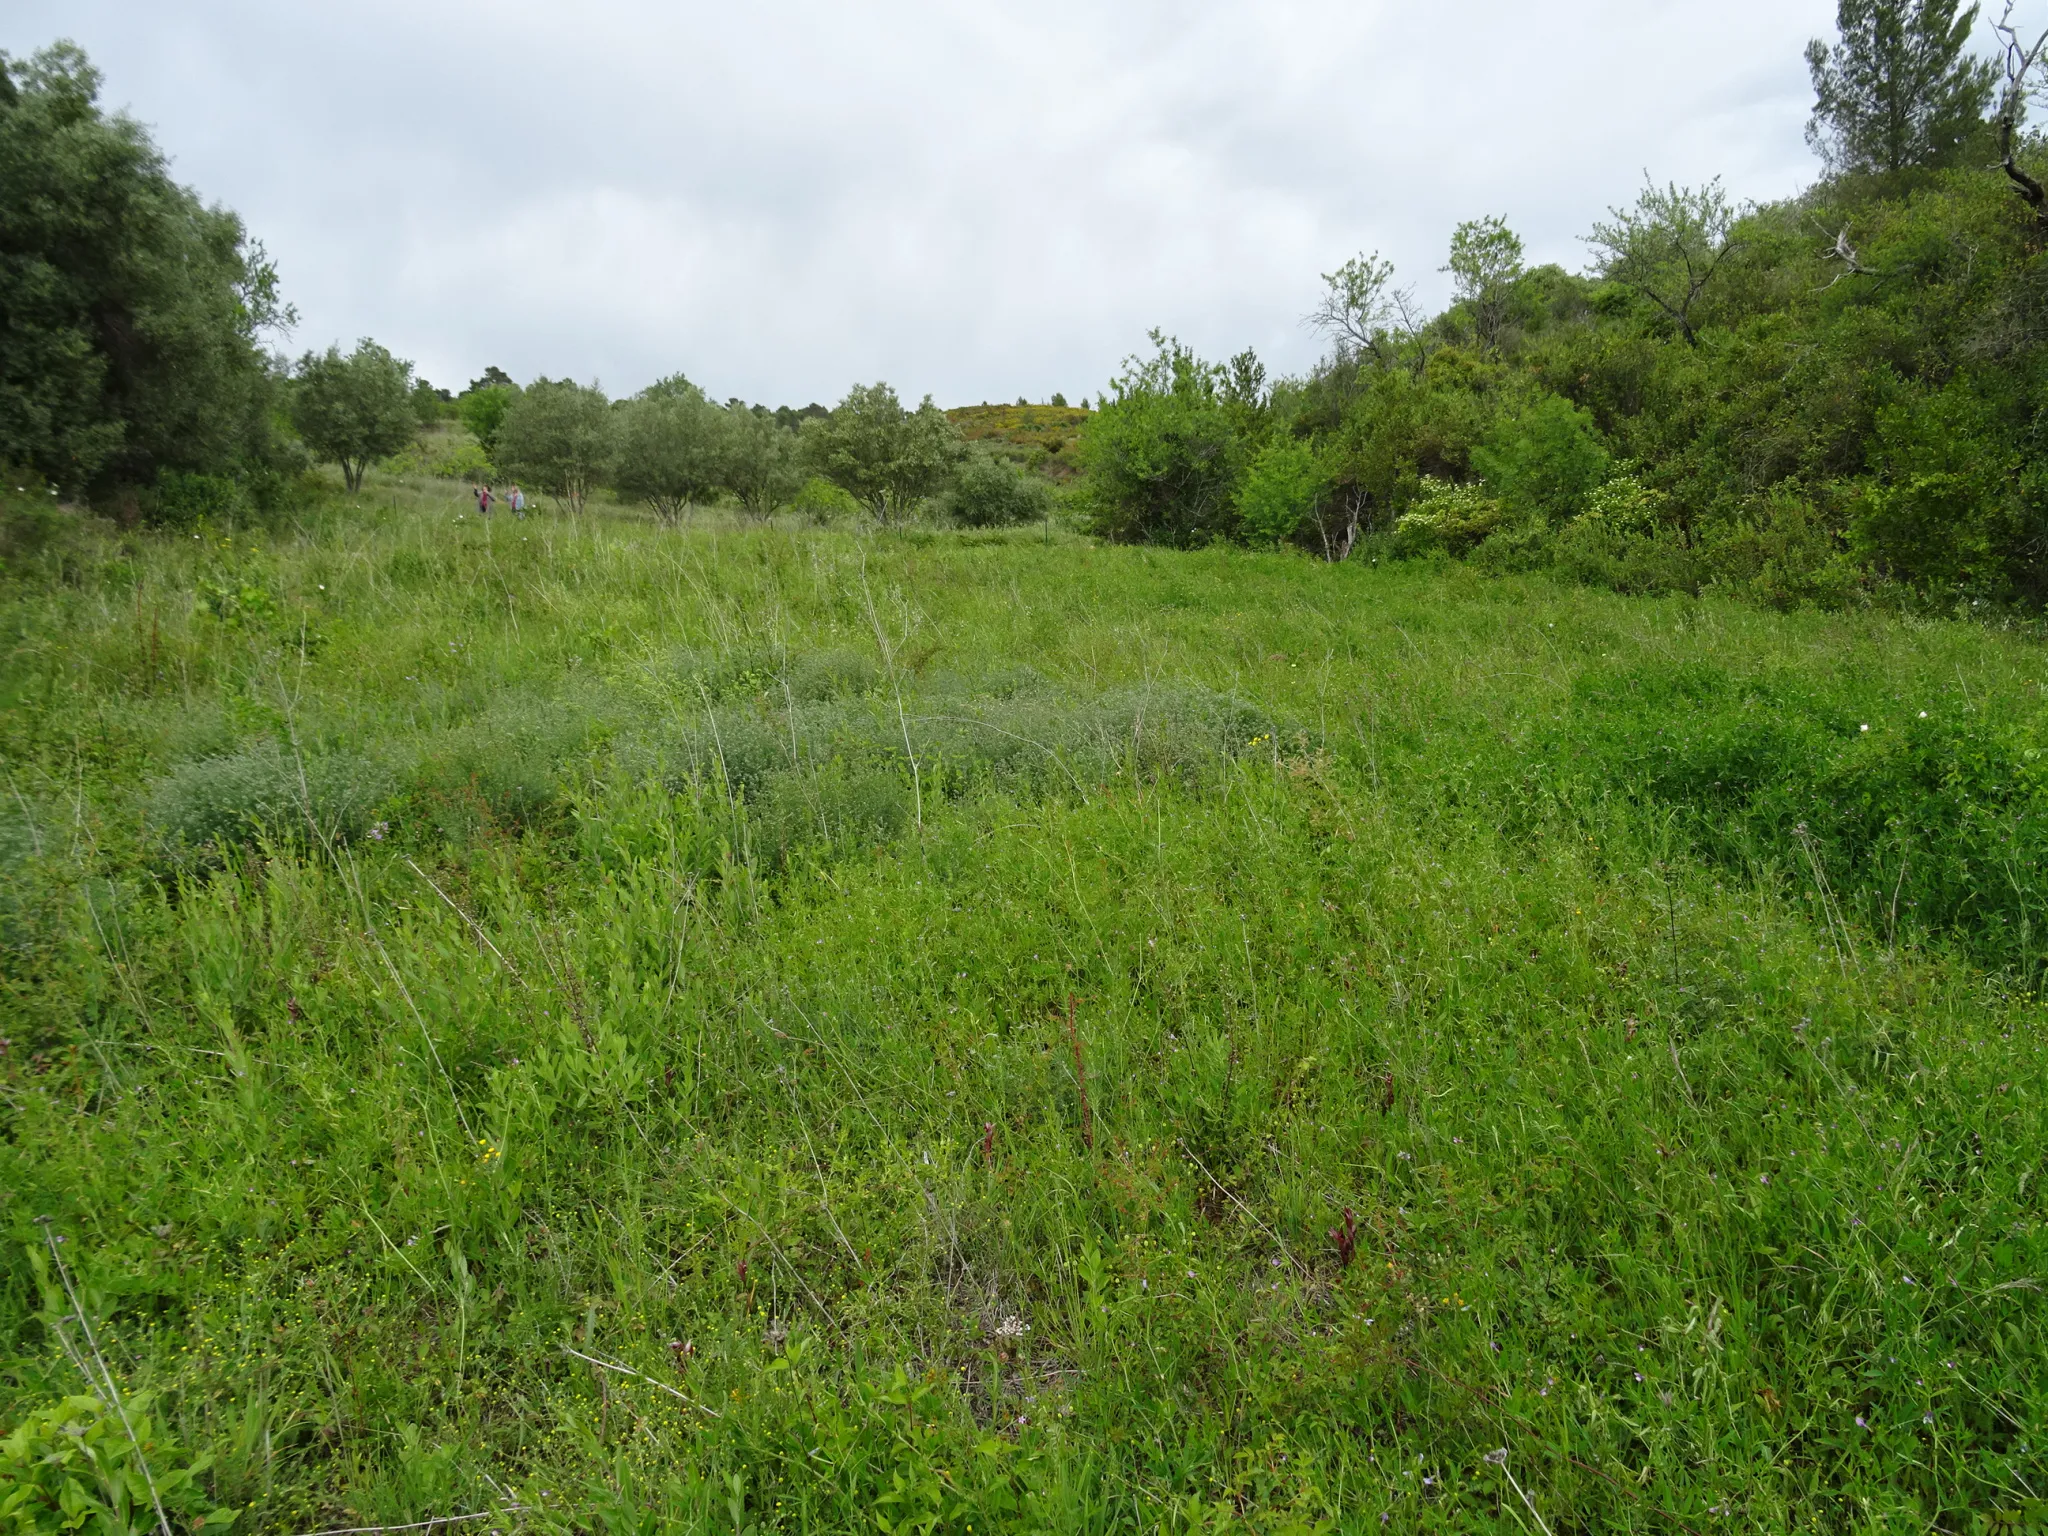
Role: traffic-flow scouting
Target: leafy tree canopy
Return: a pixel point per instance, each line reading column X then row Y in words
column 884, row 456
column 356, row 409
column 130, row 312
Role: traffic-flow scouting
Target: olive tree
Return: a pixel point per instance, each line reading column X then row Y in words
column 672, row 449
column 559, row 436
column 885, row 457
column 353, row 410
column 763, row 466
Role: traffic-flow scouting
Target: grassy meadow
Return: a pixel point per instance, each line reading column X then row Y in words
column 609, row 1027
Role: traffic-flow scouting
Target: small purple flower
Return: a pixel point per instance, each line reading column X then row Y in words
column 1860, row 1423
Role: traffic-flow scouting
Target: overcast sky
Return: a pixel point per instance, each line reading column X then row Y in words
column 974, row 200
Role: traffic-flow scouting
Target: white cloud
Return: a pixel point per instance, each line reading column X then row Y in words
column 966, row 198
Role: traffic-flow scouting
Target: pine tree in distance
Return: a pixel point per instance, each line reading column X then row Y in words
column 1898, row 91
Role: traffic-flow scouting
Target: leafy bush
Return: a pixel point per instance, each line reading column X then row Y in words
column 1448, row 517
column 1785, row 555
column 887, row 458
column 73, row 1467
column 1280, row 491
column 991, row 492
column 1163, row 456
column 263, row 791
column 483, row 410
column 672, row 449
column 1545, row 461
column 185, row 500
column 503, row 769
column 823, row 502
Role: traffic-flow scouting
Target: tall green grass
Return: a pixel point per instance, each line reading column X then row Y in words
column 758, row 1028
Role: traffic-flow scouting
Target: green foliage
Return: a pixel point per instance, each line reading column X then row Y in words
column 130, row 312
column 1448, row 516
column 672, row 450
column 887, row 458
column 1935, row 820
column 560, row 437
column 266, row 792
column 432, row 406
column 1162, row 454
column 1282, row 488
column 1486, row 260
column 482, row 411
column 1544, row 461
column 1954, row 507
column 1898, row 91
column 353, row 410
column 1668, row 249
column 763, row 460
column 710, row 984
column 187, row 501
column 74, row 1466
column 991, row 492
column 823, row 502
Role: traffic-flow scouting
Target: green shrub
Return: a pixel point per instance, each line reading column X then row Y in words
column 503, row 769
column 1595, row 551
column 73, row 1467
column 1448, row 517
column 185, row 501
column 823, row 502
column 991, row 492
column 1783, row 554
column 1280, row 491
column 264, row 791
column 1544, row 461
column 1164, row 455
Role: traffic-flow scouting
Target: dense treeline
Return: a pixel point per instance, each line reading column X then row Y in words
column 1820, row 400
column 1809, row 400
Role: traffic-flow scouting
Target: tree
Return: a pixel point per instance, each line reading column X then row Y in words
column 558, row 435
column 131, row 314
column 1898, row 91
column 482, row 409
column 764, row 467
column 885, row 457
column 1486, row 258
column 2020, row 61
column 1668, row 247
column 672, row 449
column 430, row 404
column 1362, row 313
column 353, row 410
column 1162, row 453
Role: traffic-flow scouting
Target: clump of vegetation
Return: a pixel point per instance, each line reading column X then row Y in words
column 267, row 791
